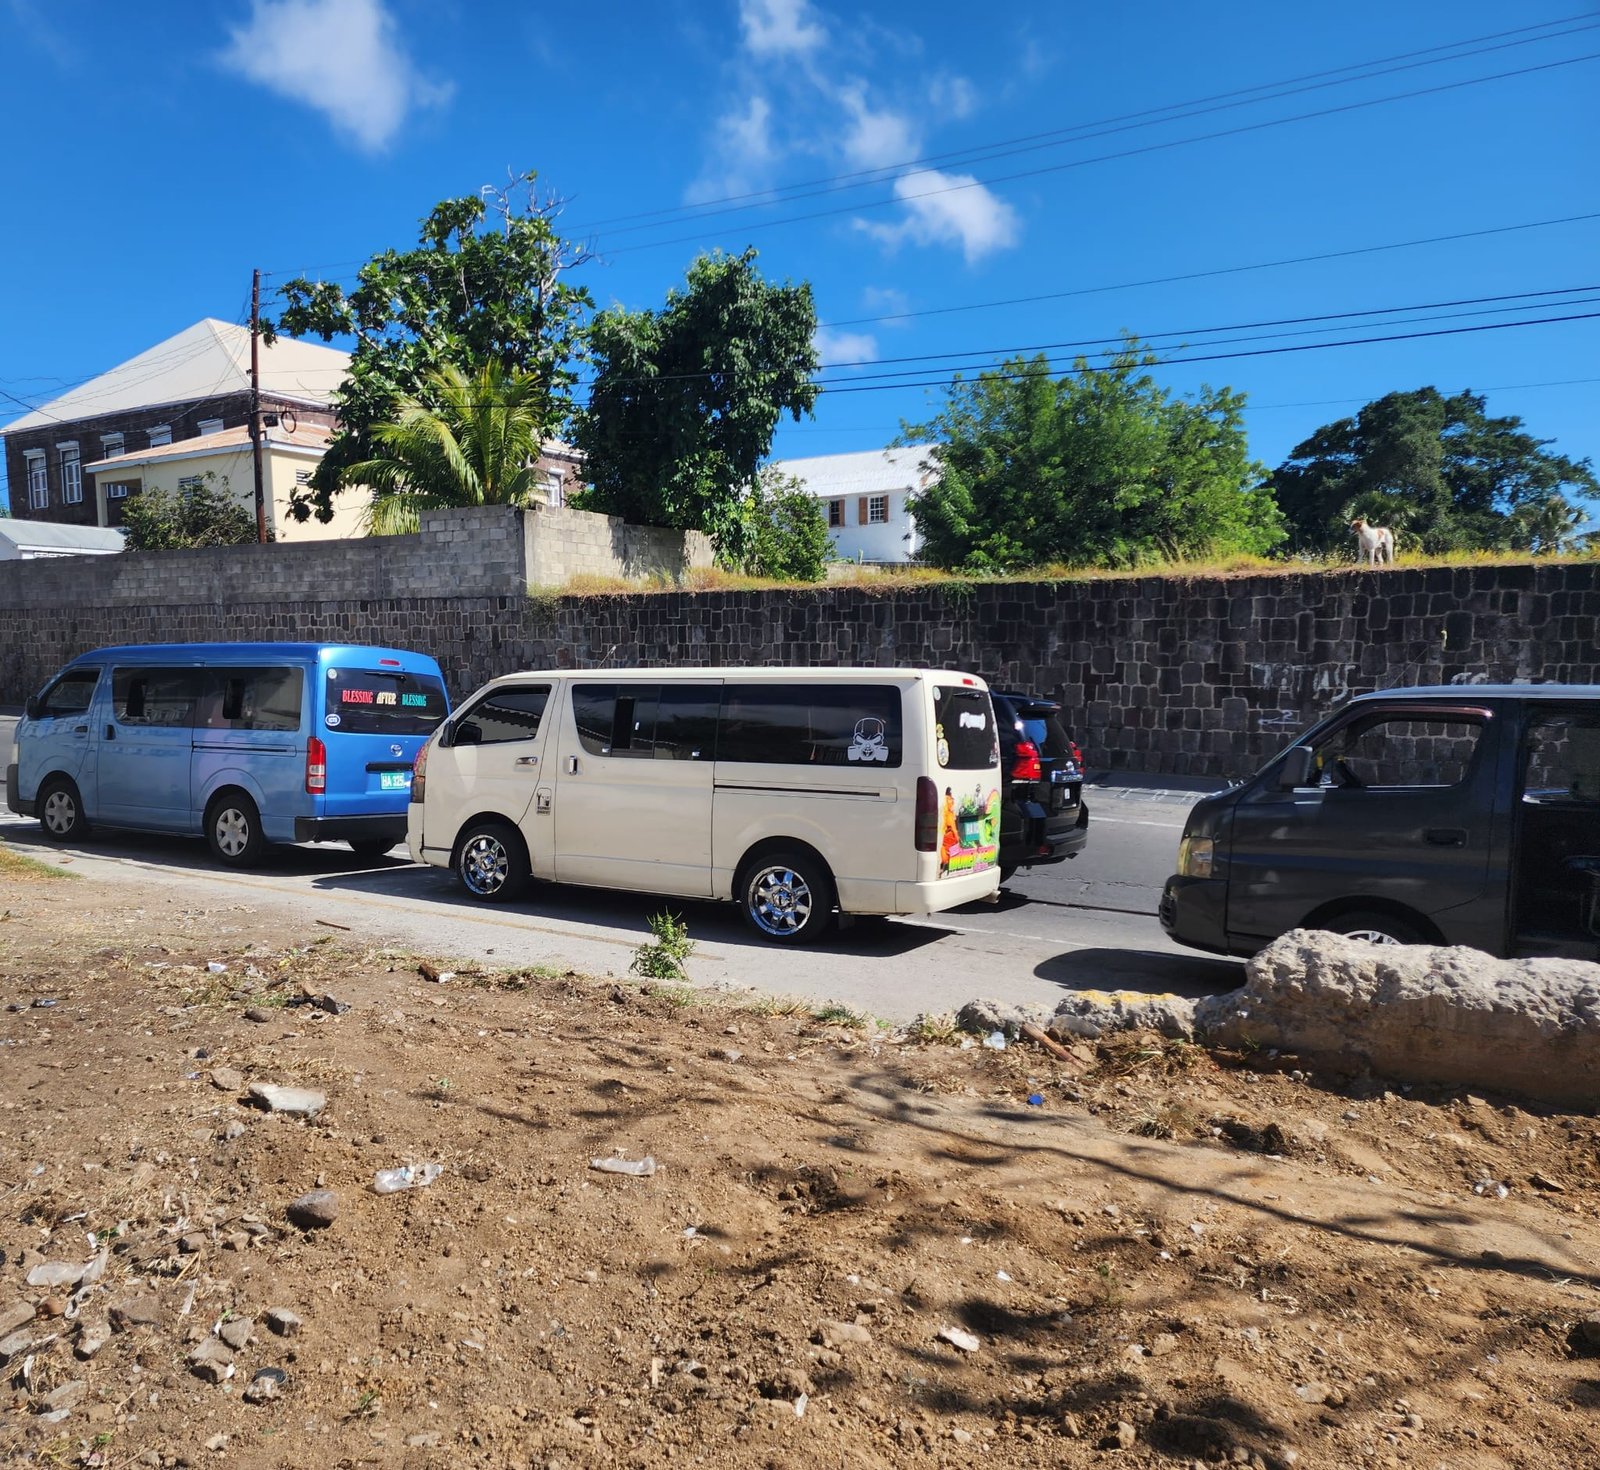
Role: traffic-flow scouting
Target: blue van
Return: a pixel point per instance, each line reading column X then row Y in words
column 244, row 743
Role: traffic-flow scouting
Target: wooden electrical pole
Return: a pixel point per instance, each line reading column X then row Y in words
column 255, row 404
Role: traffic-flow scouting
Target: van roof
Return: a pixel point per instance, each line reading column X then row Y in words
column 754, row 673
column 210, row 652
column 1471, row 692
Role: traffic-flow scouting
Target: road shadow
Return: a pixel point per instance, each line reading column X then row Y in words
column 1145, row 970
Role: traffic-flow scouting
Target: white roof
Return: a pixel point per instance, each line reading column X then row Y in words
column 57, row 539
column 869, row 472
column 207, row 360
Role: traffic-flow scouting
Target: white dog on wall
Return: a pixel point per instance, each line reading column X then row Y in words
column 1375, row 543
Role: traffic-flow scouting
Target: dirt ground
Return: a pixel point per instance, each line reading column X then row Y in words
column 857, row 1248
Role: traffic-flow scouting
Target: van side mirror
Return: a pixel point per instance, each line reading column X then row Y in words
column 467, row 732
column 1295, row 770
column 31, row 708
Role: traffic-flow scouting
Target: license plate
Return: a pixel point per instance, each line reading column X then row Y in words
column 394, row 780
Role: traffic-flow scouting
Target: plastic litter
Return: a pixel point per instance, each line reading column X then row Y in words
column 995, row 1041
column 638, row 1168
column 406, row 1176
column 216, row 967
column 1035, row 1099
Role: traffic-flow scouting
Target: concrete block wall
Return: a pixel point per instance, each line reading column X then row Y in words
column 563, row 543
column 1191, row 676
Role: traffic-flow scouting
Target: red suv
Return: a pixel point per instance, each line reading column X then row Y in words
column 1042, row 815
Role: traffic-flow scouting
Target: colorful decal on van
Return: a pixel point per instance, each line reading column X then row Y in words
column 969, row 831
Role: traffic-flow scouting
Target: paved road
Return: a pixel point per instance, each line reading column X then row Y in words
column 1088, row 923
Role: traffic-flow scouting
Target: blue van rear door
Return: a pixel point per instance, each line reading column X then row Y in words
column 375, row 720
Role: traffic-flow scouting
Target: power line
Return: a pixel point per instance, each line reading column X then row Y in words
column 1052, row 168
column 1084, row 132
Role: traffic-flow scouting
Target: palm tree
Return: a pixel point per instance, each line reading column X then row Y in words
column 478, row 447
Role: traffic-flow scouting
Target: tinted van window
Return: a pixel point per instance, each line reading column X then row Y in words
column 163, row 697
column 383, row 702
column 966, row 739
column 70, row 694
column 252, row 699
column 508, row 714
column 1401, row 749
column 1562, row 759
column 647, row 721
column 812, row 724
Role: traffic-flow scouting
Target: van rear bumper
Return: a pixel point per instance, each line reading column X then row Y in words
column 949, row 892
column 351, row 829
column 14, row 799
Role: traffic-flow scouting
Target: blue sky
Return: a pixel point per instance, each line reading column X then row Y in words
column 156, row 153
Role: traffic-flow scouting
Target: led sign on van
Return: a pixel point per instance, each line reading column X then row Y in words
column 368, row 696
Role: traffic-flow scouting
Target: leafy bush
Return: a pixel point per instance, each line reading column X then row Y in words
column 663, row 959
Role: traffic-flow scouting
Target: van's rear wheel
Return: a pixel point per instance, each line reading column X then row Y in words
column 61, row 811
column 369, row 849
column 233, row 829
column 787, row 897
column 1376, row 928
column 491, row 862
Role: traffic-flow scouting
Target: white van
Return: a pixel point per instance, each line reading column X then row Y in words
column 795, row 792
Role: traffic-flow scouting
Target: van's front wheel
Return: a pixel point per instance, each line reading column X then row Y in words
column 787, row 897
column 61, row 812
column 233, row 829
column 1376, row 928
column 491, row 862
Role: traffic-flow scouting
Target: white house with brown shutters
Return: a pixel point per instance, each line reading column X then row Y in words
column 864, row 498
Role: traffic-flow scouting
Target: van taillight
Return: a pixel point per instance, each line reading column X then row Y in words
column 419, row 775
column 1025, row 765
column 927, row 815
column 316, row 766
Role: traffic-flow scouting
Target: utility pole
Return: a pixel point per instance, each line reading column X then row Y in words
column 255, row 403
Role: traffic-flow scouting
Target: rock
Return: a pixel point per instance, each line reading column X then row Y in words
column 236, row 1331
column 958, row 1338
column 840, row 1334
column 68, row 1396
column 314, row 1210
column 53, row 1306
column 15, row 1316
column 212, row 1360
column 1124, row 1437
column 1162, row 1344
column 1312, row 1393
column 14, row 1345
column 298, row 1102
column 217, row 1443
column 54, row 1275
column 1420, row 1013
column 92, row 1336
column 1584, row 1339
column 192, row 1243
column 235, row 1129
column 227, row 1079
column 785, row 1383
column 136, row 1311
column 267, row 1384
column 260, row 1015
column 1093, row 1013
column 985, row 1015
column 283, row 1322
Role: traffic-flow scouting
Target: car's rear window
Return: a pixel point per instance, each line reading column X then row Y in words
column 1048, row 733
column 966, row 736
column 383, row 702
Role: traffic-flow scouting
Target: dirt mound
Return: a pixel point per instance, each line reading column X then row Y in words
column 854, row 1249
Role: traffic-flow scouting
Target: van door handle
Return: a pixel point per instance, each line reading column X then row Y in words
column 527, row 760
column 111, row 732
column 572, row 765
column 1446, row 836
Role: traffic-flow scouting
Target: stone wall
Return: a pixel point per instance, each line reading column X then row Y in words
column 1193, row 675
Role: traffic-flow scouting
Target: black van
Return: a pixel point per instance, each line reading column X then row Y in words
column 1454, row 815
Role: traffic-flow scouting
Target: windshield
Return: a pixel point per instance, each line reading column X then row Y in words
column 383, row 702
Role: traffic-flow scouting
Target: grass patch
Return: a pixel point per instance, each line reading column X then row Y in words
column 939, row 1030
column 14, row 864
column 838, row 1015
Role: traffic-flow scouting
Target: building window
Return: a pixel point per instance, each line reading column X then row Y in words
column 160, row 434
column 71, row 474
column 302, row 477
column 553, row 481
column 38, row 480
column 110, row 444
column 119, row 491
column 210, row 426
column 835, row 513
column 878, row 510
column 189, row 482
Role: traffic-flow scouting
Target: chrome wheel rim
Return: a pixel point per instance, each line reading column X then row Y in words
column 780, row 902
column 485, row 864
column 233, row 831
column 1371, row 936
column 60, row 812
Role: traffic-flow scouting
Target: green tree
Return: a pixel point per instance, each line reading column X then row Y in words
column 479, row 446
column 786, row 533
column 485, row 284
column 685, row 400
column 1100, row 467
column 1439, row 471
column 207, row 514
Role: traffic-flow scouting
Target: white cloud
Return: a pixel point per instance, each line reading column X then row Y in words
column 948, row 209
column 780, row 27
column 954, row 96
column 341, row 57
column 835, row 347
column 747, row 151
column 887, row 301
column 875, row 136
